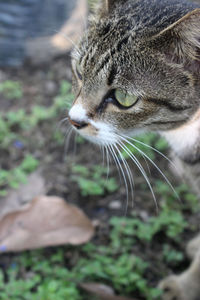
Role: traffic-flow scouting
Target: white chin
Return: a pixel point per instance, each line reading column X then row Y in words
column 101, row 140
column 105, row 134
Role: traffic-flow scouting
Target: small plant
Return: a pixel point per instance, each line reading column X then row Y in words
column 38, row 287
column 186, row 201
column 65, row 98
column 14, row 177
column 124, row 272
column 50, row 278
column 171, row 223
column 172, row 256
column 15, row 123
column 11, row 89
column 92, row 181
column 6, row 135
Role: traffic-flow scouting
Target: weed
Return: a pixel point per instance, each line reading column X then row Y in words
column 15, row 123
column 172, row 256
column 186, row 201
column 92, row 181
column 113, row 264
column 12, row 178
column 11, row 89
column 171, row 223
column 50, row 278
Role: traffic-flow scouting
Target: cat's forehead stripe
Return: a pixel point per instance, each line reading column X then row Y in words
column 105, row 48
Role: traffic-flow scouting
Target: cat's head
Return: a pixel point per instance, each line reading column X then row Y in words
column 137, row 68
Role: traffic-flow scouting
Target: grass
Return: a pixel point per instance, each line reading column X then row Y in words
column 17, row 125
column 49, row 274
column 46, row 274
column 11, row 89
column 12, row 178
column 93, row 181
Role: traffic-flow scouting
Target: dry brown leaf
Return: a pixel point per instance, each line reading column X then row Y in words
column 46, row 221
column 16, row 199
column 104, row 292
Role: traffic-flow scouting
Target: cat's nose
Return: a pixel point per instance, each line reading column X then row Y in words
column 78, row 124
column 78, row 116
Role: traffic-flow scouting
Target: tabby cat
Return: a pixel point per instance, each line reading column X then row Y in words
column 136, row 69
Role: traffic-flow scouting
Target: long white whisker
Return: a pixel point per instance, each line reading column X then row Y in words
column 60, row 123
column 122, row 172
column 68, row 136
column 153, row 163
column 135, row 160
column 69, row 129
column 116, row 163
column 150, row 147
column 103, row 154
column 146, row 162
column 75, row 144
column 63, row 121
column 129, row 173
column 108, row 162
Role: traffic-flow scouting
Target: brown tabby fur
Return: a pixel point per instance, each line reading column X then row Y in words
column 151, row 49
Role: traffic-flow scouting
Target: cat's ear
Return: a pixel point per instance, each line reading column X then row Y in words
column 181, row 40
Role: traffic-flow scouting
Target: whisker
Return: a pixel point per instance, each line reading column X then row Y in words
column 154, row 149
column 108, row 162
column 69, row 128
column 103, row 154
column 68, row 136
column 123, row 175
column 118, row 166
column 75, row 144
column 154, row 164
column 63, row 120
column 129, row 173
column 138, row 164
column 60, row 123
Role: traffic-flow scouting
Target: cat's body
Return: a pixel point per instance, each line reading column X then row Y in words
column 138, row 68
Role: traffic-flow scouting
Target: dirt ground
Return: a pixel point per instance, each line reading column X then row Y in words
column 40, row 86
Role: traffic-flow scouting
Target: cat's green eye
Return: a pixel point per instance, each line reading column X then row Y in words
column 124, row 98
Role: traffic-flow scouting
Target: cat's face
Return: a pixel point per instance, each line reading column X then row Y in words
column 128, row 77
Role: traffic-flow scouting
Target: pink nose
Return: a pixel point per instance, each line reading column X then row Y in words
column 77, row 124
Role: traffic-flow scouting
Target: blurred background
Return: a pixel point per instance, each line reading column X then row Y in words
column 91, row 239
column 23, row 22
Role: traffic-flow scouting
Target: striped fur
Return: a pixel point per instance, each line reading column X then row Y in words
column 148, row 48
column 151, row 49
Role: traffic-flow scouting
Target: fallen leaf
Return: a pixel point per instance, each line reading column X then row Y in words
column 104, row 292
column 93, row 287
column 46, row 221
column 16, row 199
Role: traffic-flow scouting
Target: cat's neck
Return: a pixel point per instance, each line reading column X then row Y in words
column 185, row 140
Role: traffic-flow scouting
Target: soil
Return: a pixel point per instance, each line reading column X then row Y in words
column 40, row 86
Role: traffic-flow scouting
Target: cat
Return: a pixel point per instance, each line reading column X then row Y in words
column 137, row 68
